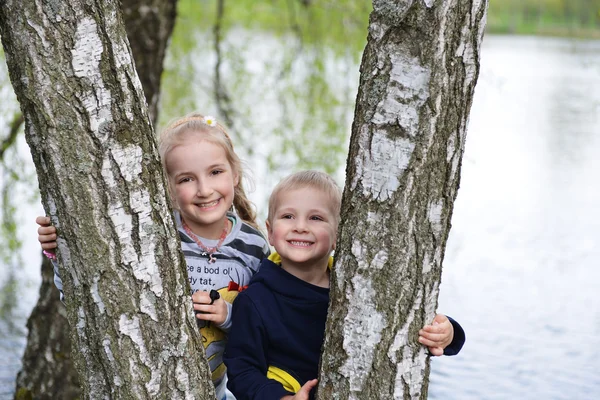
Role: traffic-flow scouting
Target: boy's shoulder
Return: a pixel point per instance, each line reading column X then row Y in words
column 262, row 282
column 256, row 295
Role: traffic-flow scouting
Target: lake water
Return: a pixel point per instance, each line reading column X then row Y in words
column 519, row 270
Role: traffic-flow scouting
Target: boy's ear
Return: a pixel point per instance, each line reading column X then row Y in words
column 269, row 232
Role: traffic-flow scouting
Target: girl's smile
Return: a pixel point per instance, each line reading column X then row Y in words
column 202, row 184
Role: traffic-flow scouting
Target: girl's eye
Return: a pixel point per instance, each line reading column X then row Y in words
column 216, row 172
column 316, row 218
column 286, row 216
column 184, row 180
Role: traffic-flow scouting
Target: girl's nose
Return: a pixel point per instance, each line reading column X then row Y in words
column 204, row 189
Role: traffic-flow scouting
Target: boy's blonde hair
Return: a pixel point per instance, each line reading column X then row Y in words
column 313, row 179
column 197, row 125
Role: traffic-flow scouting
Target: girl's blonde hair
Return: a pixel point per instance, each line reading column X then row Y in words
column 197, row 124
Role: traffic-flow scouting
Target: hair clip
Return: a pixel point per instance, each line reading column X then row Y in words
column 210, row 121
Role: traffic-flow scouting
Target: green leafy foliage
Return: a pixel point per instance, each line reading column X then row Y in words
column 579, row 18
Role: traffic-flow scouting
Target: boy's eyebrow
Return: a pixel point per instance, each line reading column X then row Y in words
column 312, row 210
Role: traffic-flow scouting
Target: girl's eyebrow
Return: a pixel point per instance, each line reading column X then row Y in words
column 220, row 165
column 186, row 171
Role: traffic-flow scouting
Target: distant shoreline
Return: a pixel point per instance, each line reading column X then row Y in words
column 561, row 32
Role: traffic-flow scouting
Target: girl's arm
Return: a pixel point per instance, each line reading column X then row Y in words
column 47, row 238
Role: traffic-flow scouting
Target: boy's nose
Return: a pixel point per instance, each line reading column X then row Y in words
column 300, row 226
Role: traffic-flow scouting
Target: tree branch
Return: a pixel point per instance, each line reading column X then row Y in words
column 15, row 125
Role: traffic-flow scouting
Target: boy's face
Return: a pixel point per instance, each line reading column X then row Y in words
column 303, row 228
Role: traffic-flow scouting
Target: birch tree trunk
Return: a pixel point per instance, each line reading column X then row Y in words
column 48, row 371
column 418, row 74
column 47, row 358
column 134, row 334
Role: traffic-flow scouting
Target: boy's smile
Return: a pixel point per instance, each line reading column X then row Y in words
column 303, row 228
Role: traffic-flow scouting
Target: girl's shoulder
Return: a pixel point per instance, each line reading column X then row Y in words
column 244, row 228
column 245, row 236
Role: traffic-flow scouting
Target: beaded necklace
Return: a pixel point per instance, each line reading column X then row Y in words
column 207, row 251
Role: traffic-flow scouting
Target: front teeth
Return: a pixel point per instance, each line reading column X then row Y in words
column 303, row 244
column 206, row 205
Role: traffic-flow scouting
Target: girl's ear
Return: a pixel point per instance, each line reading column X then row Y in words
column 170, row 192
column 236, row 179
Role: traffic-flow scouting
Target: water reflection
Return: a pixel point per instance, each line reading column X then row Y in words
column 520, row 267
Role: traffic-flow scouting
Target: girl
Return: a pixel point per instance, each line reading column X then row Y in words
column 222, row 248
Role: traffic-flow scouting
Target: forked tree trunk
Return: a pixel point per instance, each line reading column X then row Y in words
column 418, row 74
column 47, row 371
column 101, row 182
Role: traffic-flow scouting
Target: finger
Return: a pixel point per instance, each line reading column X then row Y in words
column 433, row 332
column 42, row 220
column 440, row 319
column 201, row 297
column 433, row 335
column 205, row 308
column 46, row 230
column 433, row 329
column 47, row 238
column 436, row 351
column 208, row 317
column 49, row 246
column 428, row 343
column 308, row 386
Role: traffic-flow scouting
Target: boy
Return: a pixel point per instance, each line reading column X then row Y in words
column 280, row 319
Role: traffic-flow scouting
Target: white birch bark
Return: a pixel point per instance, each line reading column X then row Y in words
column 47, row 370
column 418, row 75
column 128, row 304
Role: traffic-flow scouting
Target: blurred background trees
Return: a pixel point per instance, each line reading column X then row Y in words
column 580, row 18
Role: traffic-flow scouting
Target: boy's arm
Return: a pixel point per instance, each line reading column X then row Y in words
column 443, row 336
column 245, row 355
column 457, row 341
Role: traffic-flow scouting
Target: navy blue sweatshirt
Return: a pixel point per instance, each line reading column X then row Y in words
column 278, row 329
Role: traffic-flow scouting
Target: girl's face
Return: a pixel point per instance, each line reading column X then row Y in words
column 202, row 183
